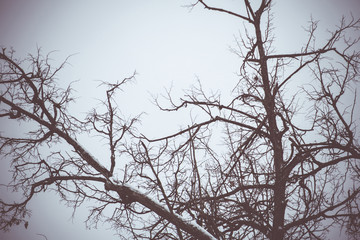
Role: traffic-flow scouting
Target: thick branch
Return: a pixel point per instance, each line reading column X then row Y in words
column 131, row 195
column 78, row 148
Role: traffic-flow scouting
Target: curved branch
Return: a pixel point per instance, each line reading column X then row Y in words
column 225, row 11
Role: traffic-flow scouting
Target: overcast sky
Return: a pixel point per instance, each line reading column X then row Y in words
column 164, row 42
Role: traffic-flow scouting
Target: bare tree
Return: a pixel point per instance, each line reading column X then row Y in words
column 284, row 174
column 48, row 154
column 272, row 163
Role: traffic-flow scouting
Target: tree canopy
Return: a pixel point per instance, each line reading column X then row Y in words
column 279, row 160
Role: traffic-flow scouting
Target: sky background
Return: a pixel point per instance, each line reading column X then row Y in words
column 163, row 41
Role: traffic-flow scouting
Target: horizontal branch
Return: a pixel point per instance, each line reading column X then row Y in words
column 295, row 55
column 219, row 106
column 197, row 125
column 292, row 55
column 257, row 129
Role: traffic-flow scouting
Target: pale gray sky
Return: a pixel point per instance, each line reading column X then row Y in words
column 163, row 41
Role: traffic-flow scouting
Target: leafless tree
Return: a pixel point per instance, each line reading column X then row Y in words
column 280, row 160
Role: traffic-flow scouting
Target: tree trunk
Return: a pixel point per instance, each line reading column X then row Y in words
column 275, row 138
